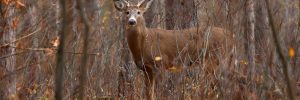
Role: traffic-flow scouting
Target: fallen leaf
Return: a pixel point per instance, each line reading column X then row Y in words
column 244, row 62
column 291, row 52
column 158, row 58
column 55, row 42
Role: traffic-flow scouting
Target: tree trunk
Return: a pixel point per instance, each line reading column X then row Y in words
column 250, row 35
column 9, row 63
column 60, row 62
column 155, row 14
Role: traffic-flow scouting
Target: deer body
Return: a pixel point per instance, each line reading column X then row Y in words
column 156, row 50
column 146, row 44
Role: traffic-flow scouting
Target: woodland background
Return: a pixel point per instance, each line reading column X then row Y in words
column 46, row 43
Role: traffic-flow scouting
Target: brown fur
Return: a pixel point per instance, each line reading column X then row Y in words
column 156, row 50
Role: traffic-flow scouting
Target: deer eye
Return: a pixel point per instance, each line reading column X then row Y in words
column 127, row 12
column 138, row 12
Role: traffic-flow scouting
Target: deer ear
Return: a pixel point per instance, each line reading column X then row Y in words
column 120, row 5
column 145, row 4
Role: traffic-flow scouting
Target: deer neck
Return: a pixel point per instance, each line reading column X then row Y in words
column 136, row 38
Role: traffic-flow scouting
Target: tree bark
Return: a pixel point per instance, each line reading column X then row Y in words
column 250, row 35
column 60, row 63
column 9, row 63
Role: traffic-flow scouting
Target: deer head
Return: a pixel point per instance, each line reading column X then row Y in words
column 134, row 13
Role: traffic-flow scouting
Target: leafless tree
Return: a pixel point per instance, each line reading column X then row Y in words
column 9, row 18
column 250, row 35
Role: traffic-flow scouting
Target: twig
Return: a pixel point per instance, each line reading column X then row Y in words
column 47, row 49
column 9, row 55
column 7, row 44
column 54, row 50
column 280, row 52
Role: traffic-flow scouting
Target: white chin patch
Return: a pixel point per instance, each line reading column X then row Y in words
column 132, row 21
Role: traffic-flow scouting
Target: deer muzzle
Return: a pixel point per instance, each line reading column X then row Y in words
column 132, row 21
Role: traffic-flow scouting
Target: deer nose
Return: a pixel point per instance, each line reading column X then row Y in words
column 131, row 22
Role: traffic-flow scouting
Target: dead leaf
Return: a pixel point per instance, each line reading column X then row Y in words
column 291, row 52
column 49, row 51
column 55, row 42
column 15, row 23
column 174, row 69
column 244, row 62
column 157, row 58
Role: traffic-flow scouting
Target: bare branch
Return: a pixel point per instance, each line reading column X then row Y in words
column 49, row 50
column 9, row 55
column 7, row 44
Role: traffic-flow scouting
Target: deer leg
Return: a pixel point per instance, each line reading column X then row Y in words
column 149, row 83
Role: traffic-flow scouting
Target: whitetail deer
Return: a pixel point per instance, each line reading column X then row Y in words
column 154, row 49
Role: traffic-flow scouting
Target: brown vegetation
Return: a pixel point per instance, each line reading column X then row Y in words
column 82, row 49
